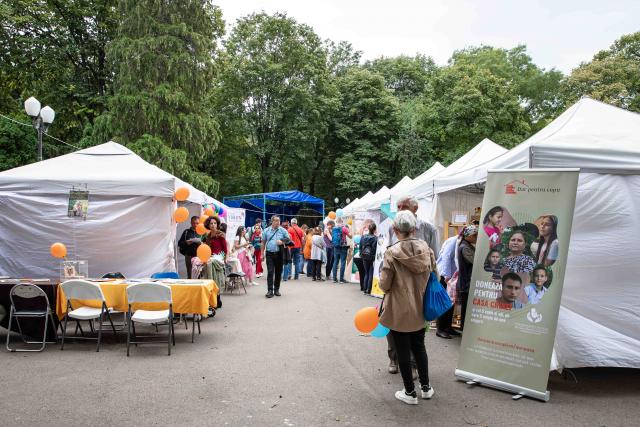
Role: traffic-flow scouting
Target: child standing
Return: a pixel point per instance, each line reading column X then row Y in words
column 317, row 248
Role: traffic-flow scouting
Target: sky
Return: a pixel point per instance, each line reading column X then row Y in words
column 558, row 33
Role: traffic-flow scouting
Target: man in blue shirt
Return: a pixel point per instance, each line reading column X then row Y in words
column 447, row 268
column 273, row 239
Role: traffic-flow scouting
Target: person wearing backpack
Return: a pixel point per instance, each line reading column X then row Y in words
column 339, row 236
column 368, row 247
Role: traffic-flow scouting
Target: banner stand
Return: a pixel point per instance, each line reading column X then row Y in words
column 519, row 391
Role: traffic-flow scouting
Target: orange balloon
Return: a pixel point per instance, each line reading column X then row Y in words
column 201, row 229
column 181, row 214
column 332, row 215
column 203, row 218
column 366, row 319
column 204, row 252
column 58, row 250
column 208, row 211
column 181, row 194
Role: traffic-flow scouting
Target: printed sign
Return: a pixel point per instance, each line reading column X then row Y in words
column 516, row 283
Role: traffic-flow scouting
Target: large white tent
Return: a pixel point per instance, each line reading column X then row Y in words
column 129, row 226
column 599, row 323
column 402, row 190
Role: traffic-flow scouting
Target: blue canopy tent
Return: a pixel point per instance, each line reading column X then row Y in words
column 286, row 204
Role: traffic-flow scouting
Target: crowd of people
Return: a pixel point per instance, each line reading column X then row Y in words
column 322, row 252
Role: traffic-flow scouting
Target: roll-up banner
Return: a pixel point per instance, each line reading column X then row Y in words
column 516, row 282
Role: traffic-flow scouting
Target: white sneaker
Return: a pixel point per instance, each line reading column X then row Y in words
column 254, row 283
column 409, row 399
column 427, row 392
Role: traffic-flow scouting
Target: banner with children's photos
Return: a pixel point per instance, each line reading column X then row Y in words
column 516, row 283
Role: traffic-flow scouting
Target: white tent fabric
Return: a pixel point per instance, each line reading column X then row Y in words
column 129, row 226
column 374, row 202
column 400, row 191
column 599, row 323
column 485, row 151
column 354, row 206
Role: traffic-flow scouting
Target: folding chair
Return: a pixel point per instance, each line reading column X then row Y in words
column 165, row 275
column 83, row 290
column 233, row 280
column 24, row 298
column 149, row 292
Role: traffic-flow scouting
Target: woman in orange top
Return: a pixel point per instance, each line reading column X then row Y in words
column 307, row 251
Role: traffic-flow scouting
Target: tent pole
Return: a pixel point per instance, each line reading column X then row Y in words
column 264, row 211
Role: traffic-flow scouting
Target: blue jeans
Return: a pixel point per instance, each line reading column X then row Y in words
column 286, row 271
column 339, row 257
column 296, row 259
column 368, row 275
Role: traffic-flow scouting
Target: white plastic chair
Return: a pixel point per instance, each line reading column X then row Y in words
column 83, row 290
column 149, row 292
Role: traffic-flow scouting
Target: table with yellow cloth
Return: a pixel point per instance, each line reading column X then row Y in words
column 189, row 297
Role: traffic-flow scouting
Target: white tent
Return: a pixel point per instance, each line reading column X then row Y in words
column 599, row 322
column 398, row 192
column 129, row 226
column 353, row 207
column 374, row 202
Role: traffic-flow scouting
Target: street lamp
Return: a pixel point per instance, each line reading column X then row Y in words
column 41, row 118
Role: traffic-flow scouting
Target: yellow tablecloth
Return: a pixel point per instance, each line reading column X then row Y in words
column 189, row 296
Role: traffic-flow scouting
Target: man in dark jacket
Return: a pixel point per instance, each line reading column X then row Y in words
column 188, row 244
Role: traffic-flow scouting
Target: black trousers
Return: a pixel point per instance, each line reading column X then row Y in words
column 464, row 297
column 408, row 343
column 316, row 268
column 368, row 275
column 329, row 266
column 444, row 322
column 274, row 270
column 360, row 267
column 187, row 262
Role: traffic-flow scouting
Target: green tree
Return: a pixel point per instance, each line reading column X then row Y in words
column 467, row 104
column 407, row 77
column 55, row 50
column 613, row 76
column 277, row 91
column 537, row 89
column 365, row 125
column 163, row 60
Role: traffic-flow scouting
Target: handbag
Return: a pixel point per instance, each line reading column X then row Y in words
column 436, row 299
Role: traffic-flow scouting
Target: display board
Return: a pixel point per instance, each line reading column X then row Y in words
column 517, row 279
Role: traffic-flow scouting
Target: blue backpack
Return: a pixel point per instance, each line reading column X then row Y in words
column 336, row 236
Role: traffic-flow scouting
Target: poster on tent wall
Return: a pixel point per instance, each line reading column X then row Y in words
column 383, row 243
column 78, row 205
column 517, row 279
column 235, row 218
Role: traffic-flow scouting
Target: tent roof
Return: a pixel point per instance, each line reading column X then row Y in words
column 258, row 200
column 405, row 181
column 376, row 199
column 419, row 182
column 109, row 169
column 483, row 152
column 590, row 135
column 362, row 200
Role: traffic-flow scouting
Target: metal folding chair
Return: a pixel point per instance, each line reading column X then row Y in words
column 149, row 292
column 19, row 295
column 83, row 290
column 233, row 280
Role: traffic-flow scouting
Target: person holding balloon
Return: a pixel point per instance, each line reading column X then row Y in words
column 403, row 278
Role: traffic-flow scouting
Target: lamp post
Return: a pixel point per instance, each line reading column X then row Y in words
column 341, row 205
column 41, row 119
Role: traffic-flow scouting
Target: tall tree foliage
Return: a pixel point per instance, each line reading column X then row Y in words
column 366, row 122
column 613, row 76
column 163, row 61
column 55, row 50
column 277, row 91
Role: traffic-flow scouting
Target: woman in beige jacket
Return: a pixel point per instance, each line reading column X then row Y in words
column 403, row 278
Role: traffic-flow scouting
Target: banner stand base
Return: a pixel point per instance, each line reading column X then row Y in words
column 520, row 392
